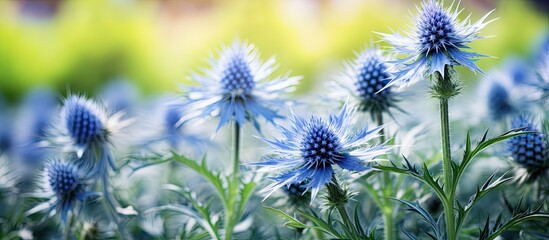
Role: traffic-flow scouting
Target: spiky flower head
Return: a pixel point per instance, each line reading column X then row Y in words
column 85, row 121
column 437, row 41
column 86, row 130
column 529, row 150
column 65, row 187
column 237, row 87
column 504, row 94
column 366, row 78
column 312, row 147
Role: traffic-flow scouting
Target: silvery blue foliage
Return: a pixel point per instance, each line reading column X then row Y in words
column 312, row 147
column 238, row 87
column 65, row 187
column 438, row 40
column 529, row 150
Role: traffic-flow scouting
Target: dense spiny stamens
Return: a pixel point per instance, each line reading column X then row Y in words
column 529, row 150
column 63, row 178
column 237, row 79
column 320, row 145
column 84, row 126
column 435, row 30
column 371, row 77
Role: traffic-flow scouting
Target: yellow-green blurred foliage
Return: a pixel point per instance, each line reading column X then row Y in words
column 157, row 44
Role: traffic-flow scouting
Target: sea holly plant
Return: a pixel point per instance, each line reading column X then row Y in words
column 309, row 152
column 432, row 51
column 366, row 80
column 237, row 89
column 84, row 134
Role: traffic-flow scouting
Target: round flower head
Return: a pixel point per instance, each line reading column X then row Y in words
column 87, row 128
column 366, row 79
column 437, row 41
column 65, row 187
column 529, row 150
column 312, row 147
column 236, row 88
column 504, row 94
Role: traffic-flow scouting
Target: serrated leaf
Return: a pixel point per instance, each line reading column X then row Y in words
column 484, row 143
column 415, row 207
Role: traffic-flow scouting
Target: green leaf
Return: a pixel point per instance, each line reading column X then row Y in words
column 484, row 143
column 491, row 231
column 410, row 170
column 292, row 222
column 489, row 185
column 213, row 178
column 321, row 224
column 415, row 207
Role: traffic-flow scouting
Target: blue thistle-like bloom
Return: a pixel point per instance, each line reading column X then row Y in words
column 366, row 78
column 237, row 88
column 87, row 128
column 529, row 150
column 437, row 41
column 312, row 147
column 65, row 187
column 504, row 93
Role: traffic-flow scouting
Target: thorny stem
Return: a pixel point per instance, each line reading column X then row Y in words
column 443, row 84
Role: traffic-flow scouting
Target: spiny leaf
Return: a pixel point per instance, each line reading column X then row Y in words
column 414, row 206
column 484, row 143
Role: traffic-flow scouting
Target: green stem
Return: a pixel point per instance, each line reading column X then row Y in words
column 236, row 150
column 386, row 207
column 338, row 198
column 345, row 217
column 230, row 219
column 443, row 83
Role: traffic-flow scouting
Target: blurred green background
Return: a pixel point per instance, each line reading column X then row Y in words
column 79, row 45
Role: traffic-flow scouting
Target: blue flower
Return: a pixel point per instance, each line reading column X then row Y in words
column 504, row 94
column 529, row 150
column 86, row 131
column 237, row 88
column 366, row 78
column 65, row 187
column 312, row 147
column 37, row 114
column 438, row 41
